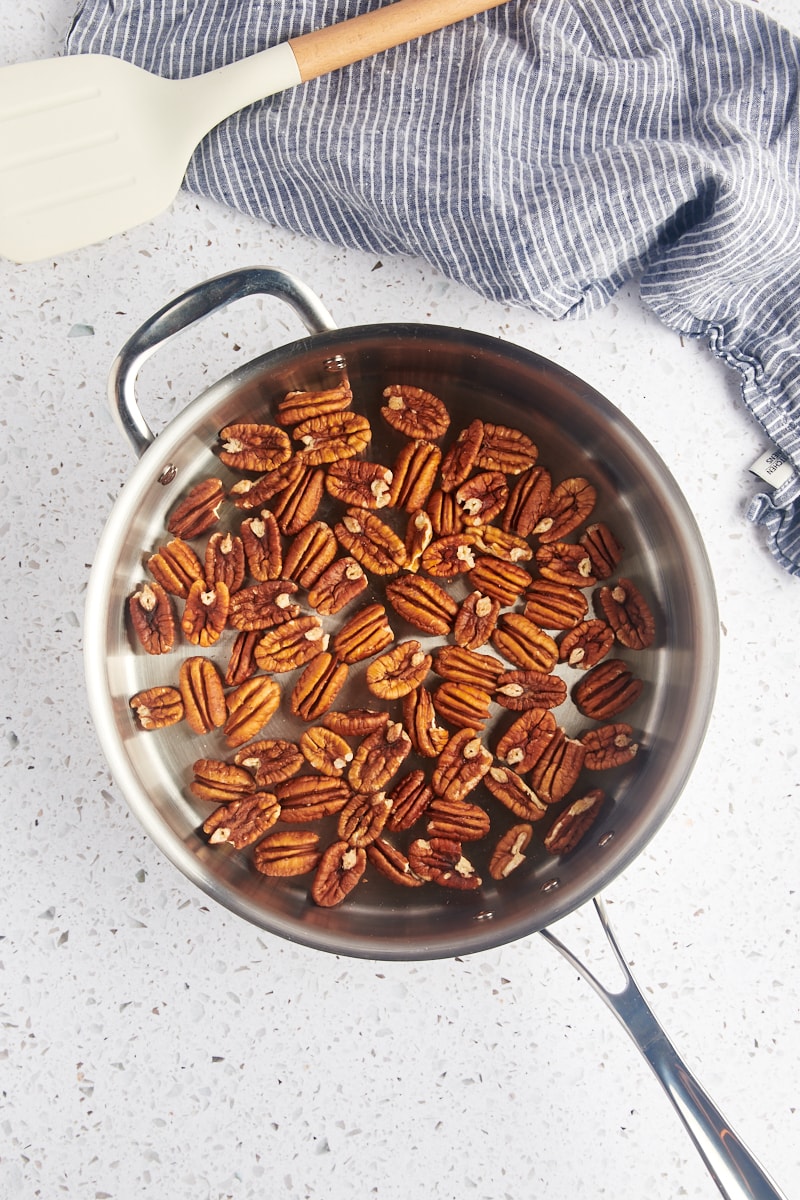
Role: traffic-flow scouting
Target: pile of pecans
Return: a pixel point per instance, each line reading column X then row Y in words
column 457, row 590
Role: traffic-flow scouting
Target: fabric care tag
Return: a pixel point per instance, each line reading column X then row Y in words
column 773, row 467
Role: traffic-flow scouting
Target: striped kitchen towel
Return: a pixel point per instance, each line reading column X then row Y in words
column 543, row 153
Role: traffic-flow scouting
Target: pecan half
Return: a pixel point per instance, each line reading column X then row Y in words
column 413, row 475
column 557, row 768
column 419, row 717
column 355, row 722
column 523, row 690
column 499, row 543
column 565, row 562
column 527, row 501
column 554, row 605
column 362, row 819
column 242, row 822
column 202, row 694
column 475, row 620
column 248, row 494
column 628, row 614
column 460, row 665
column 460, row 458
column 296, row 505
column 419, row 535
column 410, row 799
column 444, row 513
column 526, row 738
column 392, row 863
column 423, row 603
column 398, row 671
column 157, row 707
column 605, row 552
column 509, row 854
column 512, row 791
column 217, row 781
column 377, row 547
column 338, row 584
column 339, row 870
column 505, row 581
column 414, row 412
column 152, row 618
column 440, row 860
column 225, row 561
column 366, row 633
column 448, row 556
column 298, row 406
column 607, row 690
column 331, row 437
column 263, row 552
column 482, row 497
column 254, row 447
column 309, row 553
column 318, row 686
column 461, row 766
column 570, row 503
column 359, row 483
column 198, row 510
column 271, row 761
column 506, row 449
column 205, row 613
column 263, row 605
column 524, row 644
column 586, row 644
column 175, row 566
column 250, row 706
column 458, row 820
column 609, row 746
column 379, row 757
column 291, row 645
column 326, row 751
column 287, row 852
column 307, row 798
column 574, row 822
column 462, row 704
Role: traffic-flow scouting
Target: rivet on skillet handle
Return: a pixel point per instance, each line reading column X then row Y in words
column 733, row 1168
column 193, row 305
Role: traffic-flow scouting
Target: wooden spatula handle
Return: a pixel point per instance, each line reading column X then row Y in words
column 326, row 50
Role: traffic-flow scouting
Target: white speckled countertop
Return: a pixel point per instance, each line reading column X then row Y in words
column 151, row 1044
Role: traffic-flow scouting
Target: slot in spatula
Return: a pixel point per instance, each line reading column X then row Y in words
column 91, row 145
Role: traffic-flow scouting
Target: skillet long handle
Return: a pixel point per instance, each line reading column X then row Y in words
column 735, row 1171
column 326, row 50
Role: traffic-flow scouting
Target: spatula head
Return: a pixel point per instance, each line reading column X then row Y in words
column 89, row 146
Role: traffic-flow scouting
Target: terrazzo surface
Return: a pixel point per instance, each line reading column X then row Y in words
column 153, row 1044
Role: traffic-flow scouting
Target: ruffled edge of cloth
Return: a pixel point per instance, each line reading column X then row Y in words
column 777, row 513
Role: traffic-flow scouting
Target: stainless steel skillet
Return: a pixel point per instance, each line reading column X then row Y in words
column 579, row 432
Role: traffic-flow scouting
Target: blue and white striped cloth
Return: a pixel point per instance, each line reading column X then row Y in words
column 543, row 153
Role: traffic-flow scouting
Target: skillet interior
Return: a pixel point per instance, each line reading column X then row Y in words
column 578, row 432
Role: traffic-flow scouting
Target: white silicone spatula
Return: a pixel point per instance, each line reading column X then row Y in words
column 91, row 145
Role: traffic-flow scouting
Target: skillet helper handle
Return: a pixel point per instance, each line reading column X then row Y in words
column 733, row 1168
column 191, row 306
column 325, row 50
